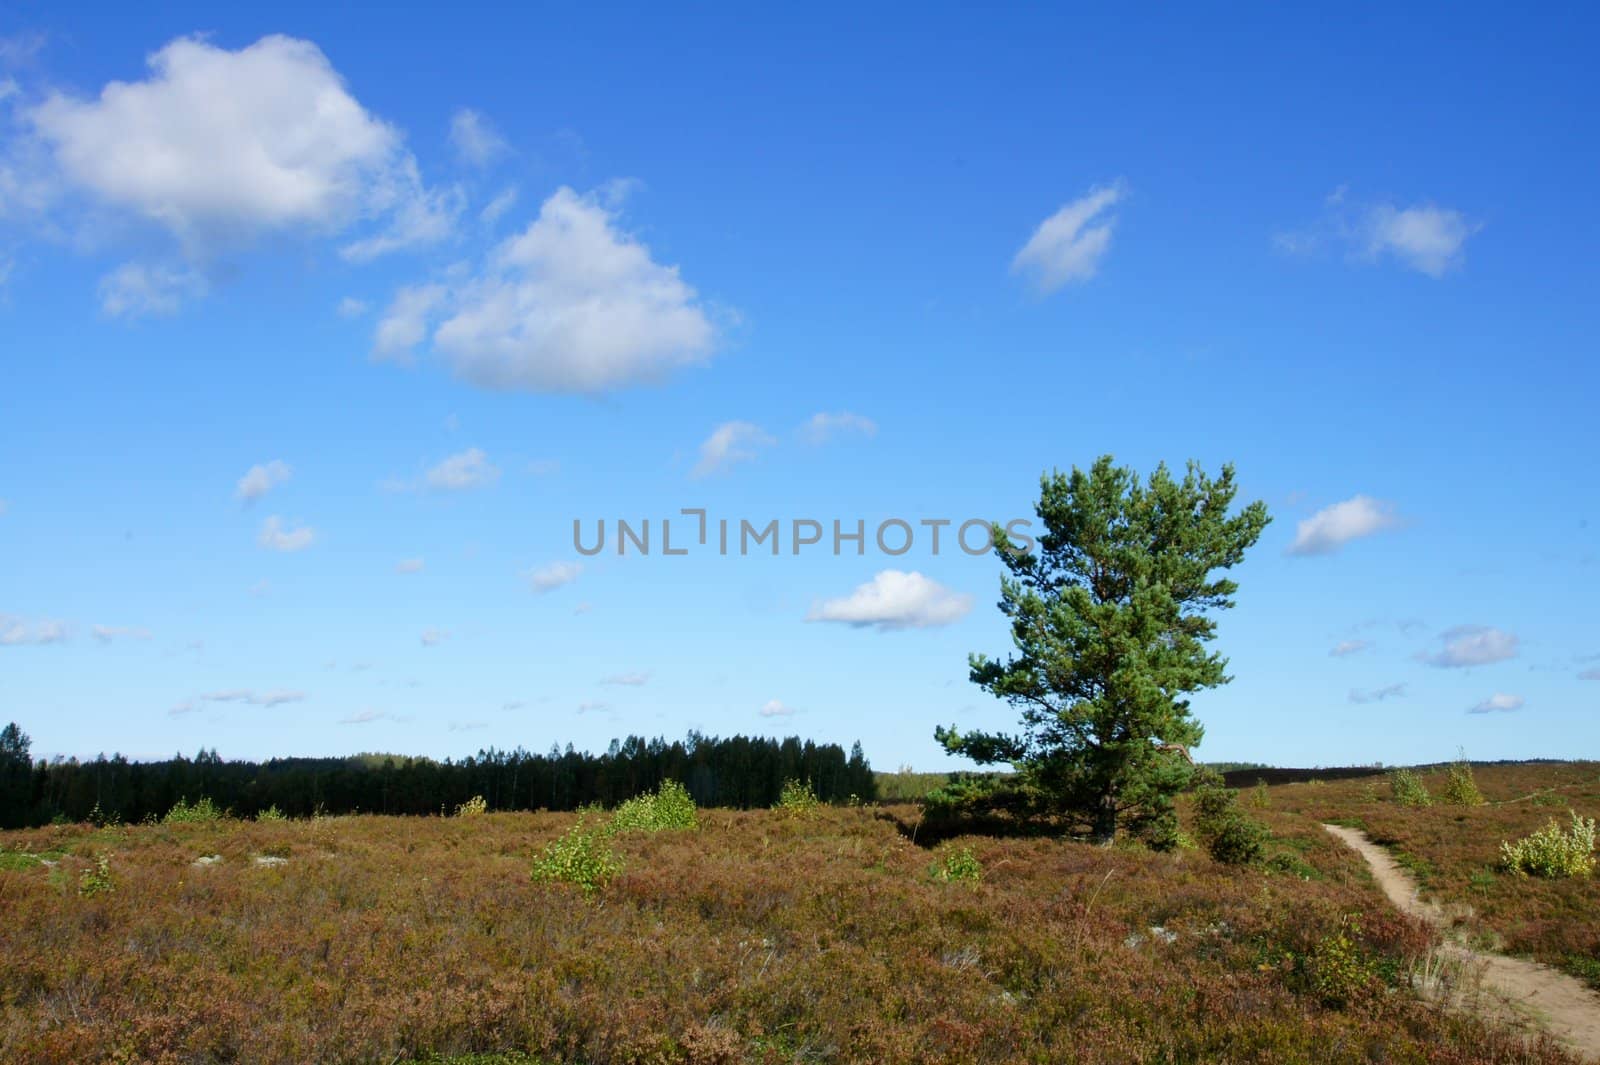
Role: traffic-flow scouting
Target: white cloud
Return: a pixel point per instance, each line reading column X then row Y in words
column 277, row 536
column 592, row 705
column 775, row 708
column 571, row 304
column 468, row 726
column 15, row 631
column 1067, row 247
column 409, row 565
column 420, row 216
column 350, row 307
column 368, row 716
column 475, row 138
column 405, row 324
column 1499, row 702
column 261, row 479
column 634, row 679
column 1472, row 645
column 1377, row 695
column 550, row 577
column 1334, row 526
column 498, row 206
column 434, row 637
column 217, row 146
column 466, row 469
column 1427, row 239
column 134, row 290
column 822, row 427
column 895, row 600
column 252, row 698
column 108, row 633
column 1349, row 647
column 728, row 445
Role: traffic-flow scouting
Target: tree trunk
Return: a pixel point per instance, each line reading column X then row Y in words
column 1105, row 820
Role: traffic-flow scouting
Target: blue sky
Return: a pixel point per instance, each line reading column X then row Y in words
column 317, row 333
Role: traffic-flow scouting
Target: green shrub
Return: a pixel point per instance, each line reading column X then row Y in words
column 1408, row 789
column 96, row 881
column 582, row 857
column 669, row 807
column 797, row 799
column 1341, row 973
column 1260, row 796
column 201, row 811
column 958, row 866
column 1548, row 798
column 1550, row 852
column 1227, row 834
column 101, row 818
column 271, row 813
column 1460, row 788
column 476, row 806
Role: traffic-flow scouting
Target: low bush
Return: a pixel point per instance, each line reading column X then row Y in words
column 958, row 866
column 1341, row 973
column 271, row 814
column 96, row 880
column 1408, row 789
column 1552, row 853
column 583, row 857
column 797, row 799
column 1227, row 834
column 669, row 807
column 201, row 811
column 1460, row 788
column 476, row 806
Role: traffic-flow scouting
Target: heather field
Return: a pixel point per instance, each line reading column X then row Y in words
column 1454, row 852
column 815, row 934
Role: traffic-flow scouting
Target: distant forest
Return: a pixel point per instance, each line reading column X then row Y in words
column 736, row 771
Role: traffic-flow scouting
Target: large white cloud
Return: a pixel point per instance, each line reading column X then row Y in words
column 571, row 304
column 218, row 147
column 895, row 600
column 1472, row 645
column 1334, row 526
column 1069, row 245
column 728, row 445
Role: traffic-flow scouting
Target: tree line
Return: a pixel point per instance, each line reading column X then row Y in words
column 742, row 772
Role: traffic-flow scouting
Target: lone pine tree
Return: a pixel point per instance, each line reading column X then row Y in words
column 1110, row 616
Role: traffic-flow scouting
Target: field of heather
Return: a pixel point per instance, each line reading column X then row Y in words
column 757, row 937
column 1454, row 852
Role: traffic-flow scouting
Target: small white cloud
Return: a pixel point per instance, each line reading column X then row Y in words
column 261, row 479
column 592, row 705
column 895, row 600
column 108, row 633
column 350, row 307
column 499, row 205
column 1472, row 645
column 368, row 716
column 1427, row 239
column 634, row 679
column 728, row 445
column 16, row 631
column 277, row 536
column 820, row 428
column 1377, row 695
column 1334, row 526
column 408, row 565
column 1067, row 247
column 466, row 469
column 405, row 324
column 134, row 290
column 1431, row 240
column 1500, row 703
column 252, row 698
column 475, row 138
column 1349, row 647
column 421, row 217
column 552, row 576
column 775, row 708
column 434, row 637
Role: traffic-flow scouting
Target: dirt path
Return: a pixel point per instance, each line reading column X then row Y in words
column 1516, row 990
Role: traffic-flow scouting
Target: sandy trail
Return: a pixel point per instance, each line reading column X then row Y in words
column 1519, row 991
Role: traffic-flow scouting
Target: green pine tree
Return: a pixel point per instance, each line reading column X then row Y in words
column 1110, row 616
